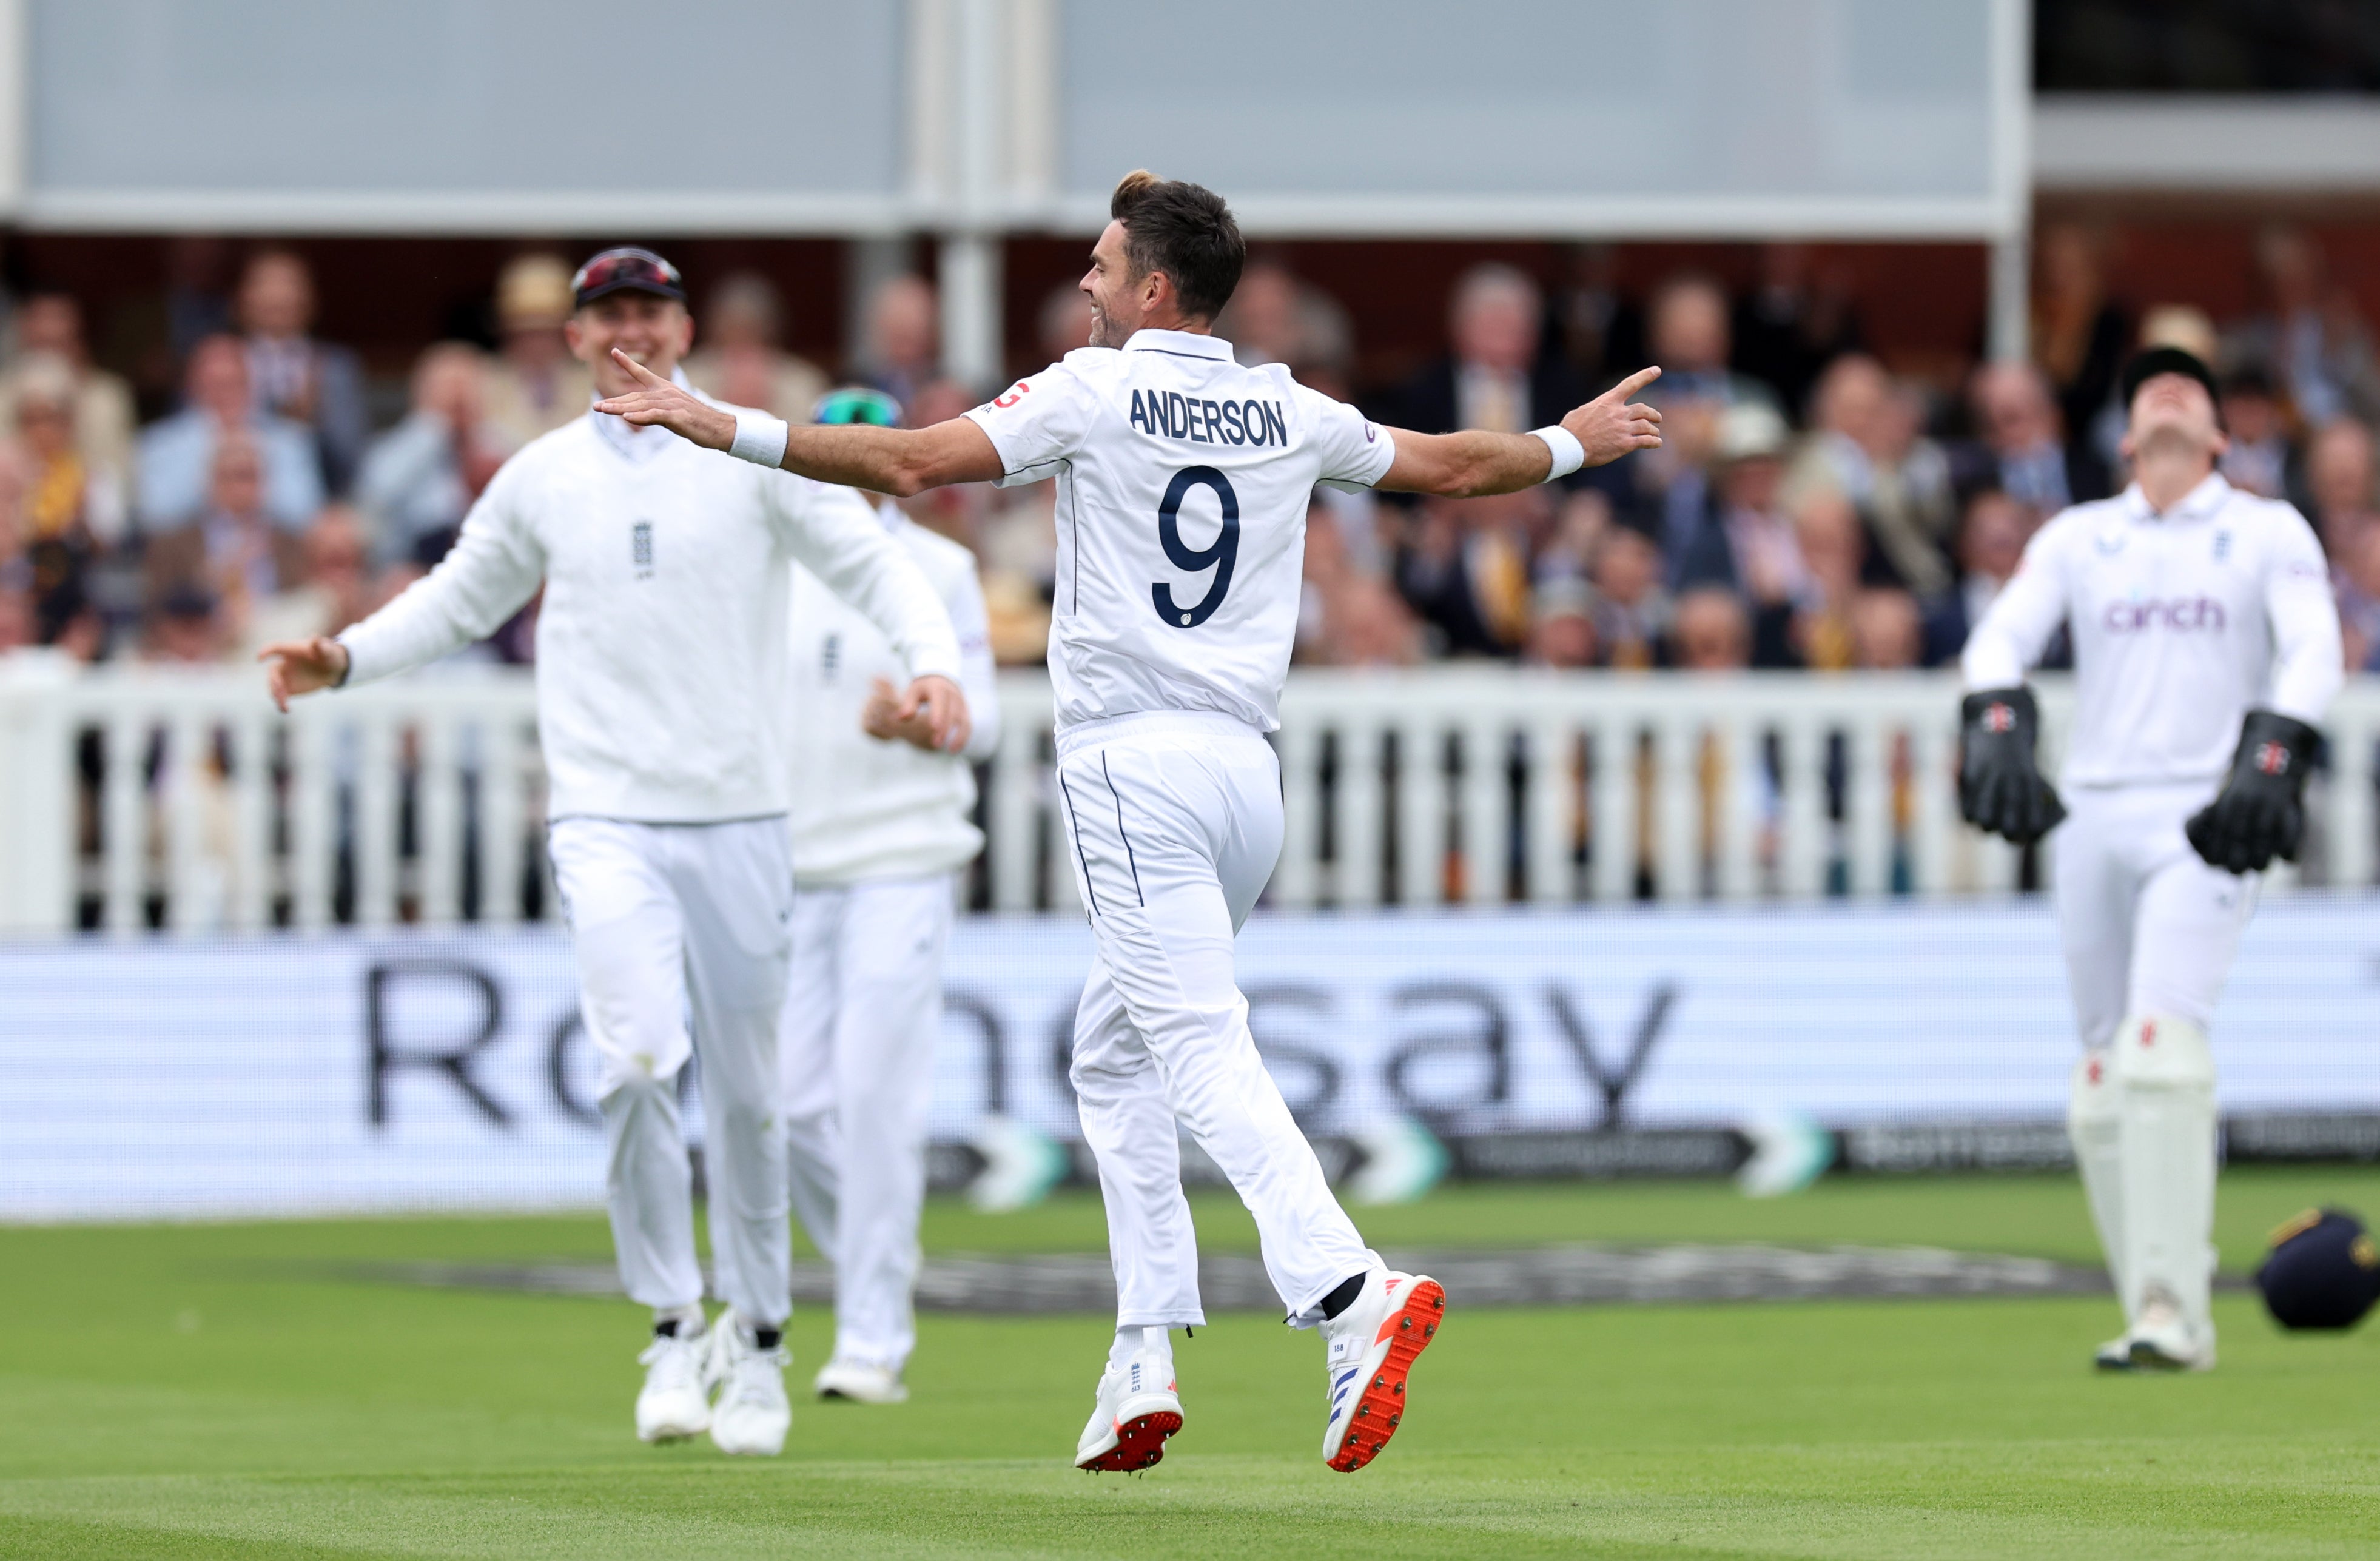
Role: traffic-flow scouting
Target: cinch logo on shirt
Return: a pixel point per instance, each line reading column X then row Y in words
column 2182, row 614
column 1209, row 422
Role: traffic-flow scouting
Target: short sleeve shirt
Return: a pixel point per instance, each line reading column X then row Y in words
column 1183, row 480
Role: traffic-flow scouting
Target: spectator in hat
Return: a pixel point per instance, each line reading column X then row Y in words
column 49, row 325
column 177, row 454
column 1561, row 625
column 420, row 476
column 311, row 383
column 535, row 386
column 741, row 359
column 184, row 628
column 1746, row 543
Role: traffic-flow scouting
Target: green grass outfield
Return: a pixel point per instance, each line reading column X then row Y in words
column 219, row 1391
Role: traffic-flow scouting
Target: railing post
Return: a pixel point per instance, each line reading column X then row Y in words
column 37, row 803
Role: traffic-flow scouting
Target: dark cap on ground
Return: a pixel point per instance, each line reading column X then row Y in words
column 2323, row 1271
column 2143, row 367
column 627, row 270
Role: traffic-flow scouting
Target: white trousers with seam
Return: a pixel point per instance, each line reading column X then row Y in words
column 2148, row 926
column 668, row 919
column 856, row 1051
column 1175, row 820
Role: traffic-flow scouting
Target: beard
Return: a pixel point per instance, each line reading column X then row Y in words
column 1104, row 332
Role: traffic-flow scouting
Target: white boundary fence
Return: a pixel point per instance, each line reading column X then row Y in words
column 132, row 798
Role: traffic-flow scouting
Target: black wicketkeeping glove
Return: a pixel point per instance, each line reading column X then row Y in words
column 2000, row 788
column 2260, row 812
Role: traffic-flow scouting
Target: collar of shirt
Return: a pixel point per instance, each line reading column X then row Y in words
column 2196, row 504
column 639, row 444
column 1183, row 344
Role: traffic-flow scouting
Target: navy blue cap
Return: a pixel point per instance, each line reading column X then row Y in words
column 626, row 270
column 2323, row 1271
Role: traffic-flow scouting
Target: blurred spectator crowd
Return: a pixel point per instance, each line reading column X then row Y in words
column 1813, row 508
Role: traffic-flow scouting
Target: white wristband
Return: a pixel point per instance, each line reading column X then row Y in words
column 1568, row 453
column 761, row 439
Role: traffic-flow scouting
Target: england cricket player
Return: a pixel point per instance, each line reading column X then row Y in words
column 1182, row 486
column 2207, row 648
column 665, row 719
column 881, row 829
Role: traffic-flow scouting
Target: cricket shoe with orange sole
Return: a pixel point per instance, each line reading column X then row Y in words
column 1138, row 1408
column 1371, row 1347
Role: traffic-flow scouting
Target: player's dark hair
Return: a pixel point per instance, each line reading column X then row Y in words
column 1183, row 230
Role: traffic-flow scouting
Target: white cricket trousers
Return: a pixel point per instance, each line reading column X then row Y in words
column 2148, row 926
column 1176, row 822
column 668, row 919
column 855, row 1052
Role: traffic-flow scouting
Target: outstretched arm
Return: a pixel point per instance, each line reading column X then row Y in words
column 902, row 462
column 1465, row 465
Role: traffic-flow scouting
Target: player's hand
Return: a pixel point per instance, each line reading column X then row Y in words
column 293, row 667
column 930, row 714
column 657, row 401
column 2260, row 812
column 1611, row 425
column 2000, row 788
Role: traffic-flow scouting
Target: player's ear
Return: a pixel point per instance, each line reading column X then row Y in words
column 575, row 339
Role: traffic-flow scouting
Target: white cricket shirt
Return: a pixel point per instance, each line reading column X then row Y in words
column 662, row 643
column 2182, row 622
column 1182, row 484
column 865, row 808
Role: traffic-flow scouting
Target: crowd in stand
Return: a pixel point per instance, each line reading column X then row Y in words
column 1812, row 508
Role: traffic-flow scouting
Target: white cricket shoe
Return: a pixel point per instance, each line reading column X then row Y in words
column 860, row 1382
column 1138, row 1407
column 675, row 1401
column 2162, row 1340
column 1370, row 1349
column 751, row 1415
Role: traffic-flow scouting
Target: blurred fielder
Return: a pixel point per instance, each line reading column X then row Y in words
column 664, row 717
column 1182, row 486
column 881, row 827
column 2206, row 646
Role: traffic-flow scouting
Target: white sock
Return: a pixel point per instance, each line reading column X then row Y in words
column 1130, row 1342
column 690, row 1319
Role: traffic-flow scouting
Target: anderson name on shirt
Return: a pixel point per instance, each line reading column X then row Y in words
column 1209, row 422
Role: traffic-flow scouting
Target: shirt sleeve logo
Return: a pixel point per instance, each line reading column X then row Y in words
column 1016, row 392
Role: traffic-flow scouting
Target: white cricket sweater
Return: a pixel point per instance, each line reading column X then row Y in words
column 2182, row 622
column 864, row 808
column 662, row 677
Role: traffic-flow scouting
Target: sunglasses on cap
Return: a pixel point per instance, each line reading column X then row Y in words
column 857, row 403
column 627, row 270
